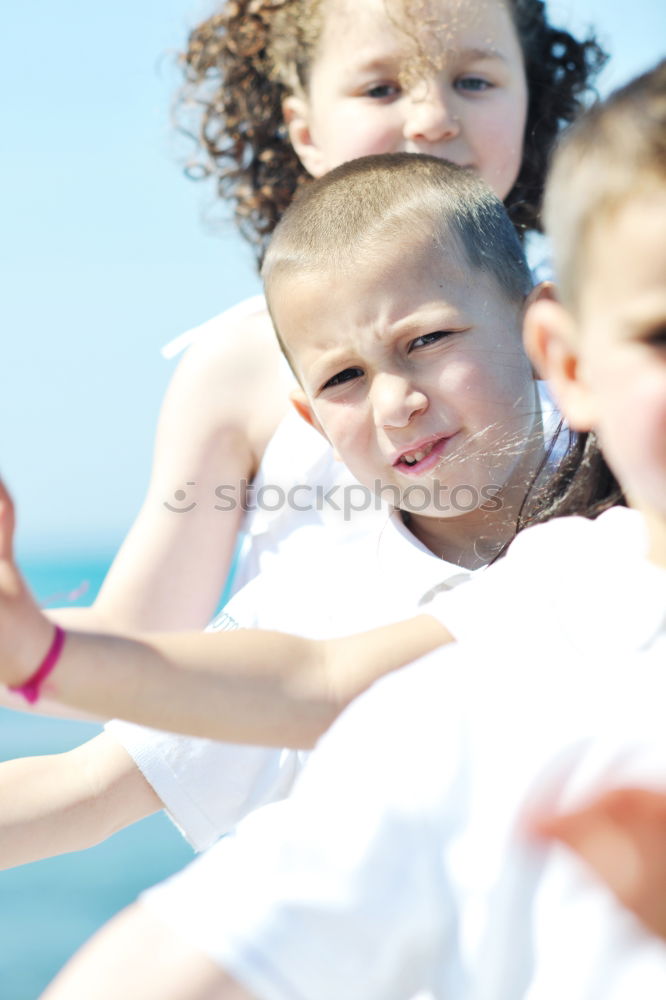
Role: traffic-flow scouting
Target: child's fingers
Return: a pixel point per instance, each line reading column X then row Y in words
column 622, row 836
column 6, row 524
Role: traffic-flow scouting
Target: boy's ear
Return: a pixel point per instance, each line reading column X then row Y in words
column 296, row 114
column 301, row 404
column 544, row 291
column 552, row 344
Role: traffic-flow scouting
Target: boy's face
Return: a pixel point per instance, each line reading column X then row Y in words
column 412, row 366
column 621, row 337
column 469, row 107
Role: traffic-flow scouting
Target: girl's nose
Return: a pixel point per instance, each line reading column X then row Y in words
column 430, row 117
column 395, row 401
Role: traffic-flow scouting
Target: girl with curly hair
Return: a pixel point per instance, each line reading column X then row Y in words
column 278, row 91
column 244, row 65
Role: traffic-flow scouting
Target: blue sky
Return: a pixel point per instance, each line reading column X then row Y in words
column 105, row 255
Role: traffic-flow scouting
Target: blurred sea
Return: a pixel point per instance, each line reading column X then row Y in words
column 49, row 908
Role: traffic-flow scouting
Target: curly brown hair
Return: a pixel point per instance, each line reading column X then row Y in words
column 243, row 61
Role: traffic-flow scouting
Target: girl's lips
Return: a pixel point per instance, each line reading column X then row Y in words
column 426, row 464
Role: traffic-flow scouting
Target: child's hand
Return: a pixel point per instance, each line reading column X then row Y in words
column 622, row 836
column 25, row 633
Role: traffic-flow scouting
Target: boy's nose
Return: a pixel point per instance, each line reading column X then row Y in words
column 395, row 401
column 430, row 116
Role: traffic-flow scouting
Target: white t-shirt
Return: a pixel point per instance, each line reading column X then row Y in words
column 572, row 575
column 402, row 863
column 333, row 585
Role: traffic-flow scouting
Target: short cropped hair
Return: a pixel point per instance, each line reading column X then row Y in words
column 614, row 152
column 366, row 205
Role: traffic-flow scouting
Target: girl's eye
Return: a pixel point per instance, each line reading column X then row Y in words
column 473, row 84
column 344, row 376
column 382, row 90
column 428, row 338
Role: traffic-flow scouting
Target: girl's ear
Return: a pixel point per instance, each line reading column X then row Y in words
column 552, row 344
column 296, row 114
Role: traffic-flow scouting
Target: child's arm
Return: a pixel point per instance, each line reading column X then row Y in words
column 262, row 688
column 69, row 801
column 243, row 687
column 222, row 406
column 45, row 707
column 254, row 687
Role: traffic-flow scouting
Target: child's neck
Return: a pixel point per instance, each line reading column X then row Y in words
column 468, row 541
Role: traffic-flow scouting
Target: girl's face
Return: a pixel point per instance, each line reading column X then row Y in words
column 467, row 105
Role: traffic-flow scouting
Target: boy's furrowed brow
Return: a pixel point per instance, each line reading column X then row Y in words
column 324, row 366
column 435, row 316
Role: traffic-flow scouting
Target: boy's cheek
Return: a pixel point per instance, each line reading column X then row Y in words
column 651, row 414
column 633, row 437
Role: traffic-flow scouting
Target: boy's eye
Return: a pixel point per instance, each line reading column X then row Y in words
column 428, row 338
column 344, row 376
column 473, row 84
column 382, row 90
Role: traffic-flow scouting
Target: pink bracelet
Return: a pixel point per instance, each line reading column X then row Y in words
column 32, row 687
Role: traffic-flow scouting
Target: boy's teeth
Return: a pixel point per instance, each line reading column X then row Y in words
column 412, row 457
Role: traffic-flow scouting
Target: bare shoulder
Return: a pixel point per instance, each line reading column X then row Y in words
column 231, row 379
column 243, row 337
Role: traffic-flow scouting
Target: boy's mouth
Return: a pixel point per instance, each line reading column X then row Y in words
column 423, row 458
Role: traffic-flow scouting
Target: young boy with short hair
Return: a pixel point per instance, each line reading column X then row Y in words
column 403, row 861
column 399, row 297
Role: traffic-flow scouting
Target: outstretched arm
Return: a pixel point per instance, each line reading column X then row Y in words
column 254, row 687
